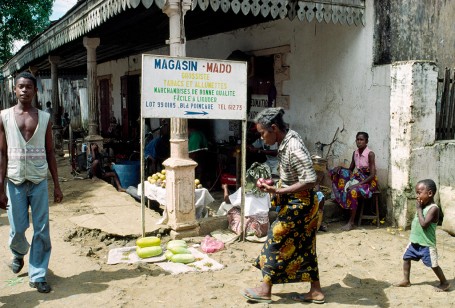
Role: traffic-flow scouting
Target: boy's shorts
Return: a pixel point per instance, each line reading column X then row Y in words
column 416, row 252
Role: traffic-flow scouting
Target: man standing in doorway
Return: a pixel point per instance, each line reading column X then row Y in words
column 48, row 107
column 26, row 155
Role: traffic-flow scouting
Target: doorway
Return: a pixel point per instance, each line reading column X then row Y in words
column 105, row 105
column 131, row 106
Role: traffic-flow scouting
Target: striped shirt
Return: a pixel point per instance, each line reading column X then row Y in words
column 295, row 161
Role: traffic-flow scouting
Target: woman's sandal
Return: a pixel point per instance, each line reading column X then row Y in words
column 301, row 298
column 252, row 296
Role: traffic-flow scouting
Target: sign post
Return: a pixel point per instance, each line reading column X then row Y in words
column 180, row 87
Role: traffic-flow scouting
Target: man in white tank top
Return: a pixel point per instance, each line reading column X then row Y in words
column 26, row 155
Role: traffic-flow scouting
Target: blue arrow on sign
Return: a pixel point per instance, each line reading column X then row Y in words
column 195, row 112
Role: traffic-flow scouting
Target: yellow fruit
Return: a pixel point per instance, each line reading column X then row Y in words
column 183, row 258
column 163, row 171
column 168, row 254
column 179, row 250
column 174, row 243
column 155, row 177
column 148, row 241
column 197, row 182
column 148, row 252
column 199, row 186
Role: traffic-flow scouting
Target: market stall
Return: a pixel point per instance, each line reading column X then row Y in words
column 202, row 198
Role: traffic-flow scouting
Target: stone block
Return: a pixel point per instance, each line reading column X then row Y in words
column 209, row 224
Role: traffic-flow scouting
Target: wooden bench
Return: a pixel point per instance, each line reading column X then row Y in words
column 375, row 199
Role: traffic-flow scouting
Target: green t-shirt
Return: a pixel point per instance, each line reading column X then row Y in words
column 421, row 236
column 197, row 142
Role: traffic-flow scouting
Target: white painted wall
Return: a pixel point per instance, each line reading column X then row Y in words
column 332, row 82
column 414, row 156
column 116, row 69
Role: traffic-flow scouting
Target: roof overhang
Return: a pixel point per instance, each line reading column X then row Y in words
column 128, row 27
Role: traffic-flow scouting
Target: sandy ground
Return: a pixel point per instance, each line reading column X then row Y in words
column 357, row 268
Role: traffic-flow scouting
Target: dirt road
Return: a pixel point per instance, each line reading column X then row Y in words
column 357, row 268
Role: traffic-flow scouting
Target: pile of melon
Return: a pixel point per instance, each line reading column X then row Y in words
column 147, row 247
column 176, row 250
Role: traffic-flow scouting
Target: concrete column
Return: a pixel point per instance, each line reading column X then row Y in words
column 56, row 116
column 179, row 168
column 93, row 109
column 412, row 135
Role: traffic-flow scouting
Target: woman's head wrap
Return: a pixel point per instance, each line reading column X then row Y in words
column 270, row 116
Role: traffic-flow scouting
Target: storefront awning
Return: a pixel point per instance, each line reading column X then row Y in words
column 349, row 12
column 106, row 19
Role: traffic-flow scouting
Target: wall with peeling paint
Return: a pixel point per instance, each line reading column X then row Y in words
column 414, row 153
column 415, row 30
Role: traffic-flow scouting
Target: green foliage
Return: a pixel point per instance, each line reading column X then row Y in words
column 21, row 20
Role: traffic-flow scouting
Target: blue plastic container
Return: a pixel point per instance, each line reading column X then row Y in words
column 128, row 172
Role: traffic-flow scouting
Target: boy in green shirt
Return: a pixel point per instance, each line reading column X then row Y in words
column 422, row 244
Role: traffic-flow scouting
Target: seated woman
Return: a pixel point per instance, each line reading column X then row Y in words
column 96, row 168
column 359, row 181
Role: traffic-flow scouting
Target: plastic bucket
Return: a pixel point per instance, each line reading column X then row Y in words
column 128, row 172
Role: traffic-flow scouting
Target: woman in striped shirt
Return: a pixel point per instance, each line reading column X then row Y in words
column 289, row 254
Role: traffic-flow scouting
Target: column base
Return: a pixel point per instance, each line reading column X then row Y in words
column 180, row 195
column 181, row 234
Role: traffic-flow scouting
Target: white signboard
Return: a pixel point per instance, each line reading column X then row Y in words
column 193, row 88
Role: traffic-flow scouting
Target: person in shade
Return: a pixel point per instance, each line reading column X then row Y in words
column 289, row 253
column 26, row 155
column 48, row 107
column 197, row 149
column 97, row 170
